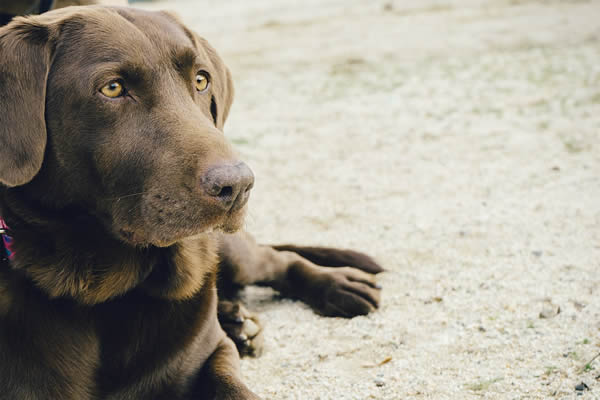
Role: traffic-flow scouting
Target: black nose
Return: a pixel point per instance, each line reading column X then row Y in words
column 230, row 184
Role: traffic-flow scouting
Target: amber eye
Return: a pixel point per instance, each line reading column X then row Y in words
column 113, row 89
column 202, row 81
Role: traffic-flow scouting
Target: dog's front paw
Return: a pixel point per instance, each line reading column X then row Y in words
column 242, row 326
column 341, row 292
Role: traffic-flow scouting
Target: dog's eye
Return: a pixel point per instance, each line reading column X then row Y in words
column 113, row 89
column 202, row 81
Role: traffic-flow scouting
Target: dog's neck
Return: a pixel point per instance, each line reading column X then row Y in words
column 68, row 254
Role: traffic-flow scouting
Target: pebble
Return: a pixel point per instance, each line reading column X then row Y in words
column 581, row 387
column 379, row 381
column 550, row 311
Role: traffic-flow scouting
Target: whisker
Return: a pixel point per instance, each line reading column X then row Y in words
column 126, row 195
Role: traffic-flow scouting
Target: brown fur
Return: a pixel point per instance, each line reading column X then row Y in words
column 112, row 291
column 333, row 257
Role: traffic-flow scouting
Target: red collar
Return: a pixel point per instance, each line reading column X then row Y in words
column 8, row 241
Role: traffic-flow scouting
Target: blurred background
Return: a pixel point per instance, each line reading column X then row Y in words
column 458, row 141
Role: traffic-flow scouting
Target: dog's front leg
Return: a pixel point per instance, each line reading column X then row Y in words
column 332, row 291
column 222, row 374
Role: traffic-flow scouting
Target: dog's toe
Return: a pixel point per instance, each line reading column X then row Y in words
column 342, row 292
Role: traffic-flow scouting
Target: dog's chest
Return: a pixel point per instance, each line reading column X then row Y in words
column 127, row 348
column 144, row 338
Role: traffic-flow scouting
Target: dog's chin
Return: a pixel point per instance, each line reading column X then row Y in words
column 141, row 240
column 232, row 223
column 159, row 237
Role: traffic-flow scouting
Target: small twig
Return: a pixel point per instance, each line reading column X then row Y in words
column 379, row 364
column 583, row 369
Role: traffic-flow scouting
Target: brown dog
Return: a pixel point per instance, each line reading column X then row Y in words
column 118, row 189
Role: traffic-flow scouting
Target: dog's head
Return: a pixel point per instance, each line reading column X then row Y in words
column 120, row 112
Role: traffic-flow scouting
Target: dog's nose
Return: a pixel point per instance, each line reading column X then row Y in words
column 230, row 184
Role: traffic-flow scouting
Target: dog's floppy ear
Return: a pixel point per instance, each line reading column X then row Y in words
column 25, row 56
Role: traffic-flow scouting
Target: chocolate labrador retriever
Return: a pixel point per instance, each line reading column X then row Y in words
column 119, row 199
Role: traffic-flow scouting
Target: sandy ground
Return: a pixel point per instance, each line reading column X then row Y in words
column 459, row 143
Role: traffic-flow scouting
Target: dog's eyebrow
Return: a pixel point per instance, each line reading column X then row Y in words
column 184, row 57
column 131, row 72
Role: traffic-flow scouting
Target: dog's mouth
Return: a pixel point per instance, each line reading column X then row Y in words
column 168, row 212
column 162, row 232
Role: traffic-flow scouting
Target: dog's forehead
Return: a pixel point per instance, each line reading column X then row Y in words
column 111, row 33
